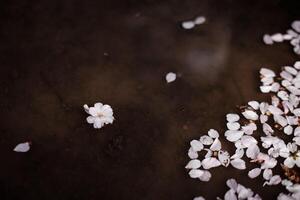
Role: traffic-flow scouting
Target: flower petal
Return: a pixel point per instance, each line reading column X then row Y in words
column 238, row 163
column 196, row 173
column 254, row 172
column 22, row 147
column 193, row 164
column 211, row 162
column 196, row 145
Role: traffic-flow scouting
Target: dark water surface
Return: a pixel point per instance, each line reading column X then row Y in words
column 56, row 56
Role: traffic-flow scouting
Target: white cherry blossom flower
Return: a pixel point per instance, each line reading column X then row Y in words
column 294, row 157
column 100, row 115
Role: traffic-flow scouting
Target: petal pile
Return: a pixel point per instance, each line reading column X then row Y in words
column 292, row 35
column 259, row 132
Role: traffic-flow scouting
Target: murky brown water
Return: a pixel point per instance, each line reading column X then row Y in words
column 57, row 55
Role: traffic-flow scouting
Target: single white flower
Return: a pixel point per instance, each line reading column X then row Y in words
column 294, row 157
column 100, row 115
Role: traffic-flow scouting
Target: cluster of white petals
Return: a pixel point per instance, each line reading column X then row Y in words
column 292, row 35
column 100, row 115
column 236, row 192
column 257, row 134
column 192, row 23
